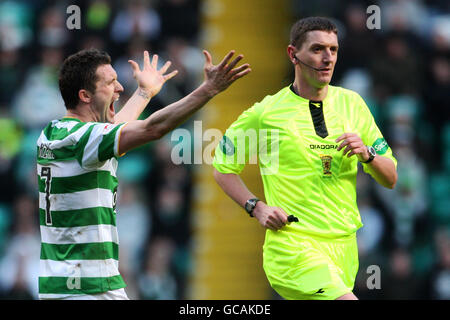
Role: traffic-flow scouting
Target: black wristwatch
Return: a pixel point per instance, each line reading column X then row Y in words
column 250, row 206
column 372, row 154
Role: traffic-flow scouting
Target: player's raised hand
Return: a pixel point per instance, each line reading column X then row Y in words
column 150, row 79
column 273, row 218
column 221, row 76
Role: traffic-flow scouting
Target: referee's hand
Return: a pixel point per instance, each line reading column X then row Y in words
column 273, row 218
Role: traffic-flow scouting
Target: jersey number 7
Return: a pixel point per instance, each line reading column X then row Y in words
column 47, row 175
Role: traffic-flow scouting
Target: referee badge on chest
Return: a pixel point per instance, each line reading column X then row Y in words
column 326, row 165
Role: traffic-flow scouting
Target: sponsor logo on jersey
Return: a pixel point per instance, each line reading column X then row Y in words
column 323, row 146
column 320, row 291
column 380, row 145
column 326, row 164
column 45, row 151
column 227, row 146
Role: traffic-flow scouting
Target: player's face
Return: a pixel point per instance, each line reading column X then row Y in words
column 107, row 91
column 319, row 51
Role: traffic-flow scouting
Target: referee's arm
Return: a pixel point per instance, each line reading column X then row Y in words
column 383, row 170
column 272, row 218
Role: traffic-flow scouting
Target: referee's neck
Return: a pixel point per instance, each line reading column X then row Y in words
column 306, row 91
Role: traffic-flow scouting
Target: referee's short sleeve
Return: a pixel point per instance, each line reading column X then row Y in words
column 239, row 143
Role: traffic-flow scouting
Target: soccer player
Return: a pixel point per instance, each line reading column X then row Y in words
column 311, row 135
column 77, row 161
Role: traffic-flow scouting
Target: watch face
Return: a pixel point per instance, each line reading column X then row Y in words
column 250, row 205
column 372, row 151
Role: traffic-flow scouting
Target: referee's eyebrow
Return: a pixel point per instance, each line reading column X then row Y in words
column 324, row 45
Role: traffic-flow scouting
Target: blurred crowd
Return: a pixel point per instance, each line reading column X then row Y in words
column 402, row 71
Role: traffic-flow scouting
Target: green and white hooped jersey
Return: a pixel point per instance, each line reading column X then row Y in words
column 76, row 168
column 293, row 140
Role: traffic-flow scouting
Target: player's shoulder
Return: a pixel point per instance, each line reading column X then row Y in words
column 63, row 129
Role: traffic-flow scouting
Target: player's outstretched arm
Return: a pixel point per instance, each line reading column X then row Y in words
column 217, row 79
column 150, row 81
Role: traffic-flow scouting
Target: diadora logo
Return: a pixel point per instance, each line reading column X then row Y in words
column 320, row 290
column 323, row 146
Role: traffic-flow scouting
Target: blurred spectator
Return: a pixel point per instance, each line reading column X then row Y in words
column 134, row 51
column 38, row 100
column 180, row 18
column 402, row 15
column 53, row 31
column 99, row 15
column 10, row 144
column 16, row 18
column 137, row 18
column 188, row 60
column 169, row 193
column 371, row 234
column 11, row 70
column 396, row 70
column 400, row 282
column 438, row 285
column 436, row 94
column 133, row 225
column 157, row 282
column 408, row 201
column 19, row 267
column 358, row 42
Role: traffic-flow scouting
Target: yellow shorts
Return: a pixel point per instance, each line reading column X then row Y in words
column 312, row 268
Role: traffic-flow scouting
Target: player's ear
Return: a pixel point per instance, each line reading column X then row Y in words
column 291, row 50
column 84, row 96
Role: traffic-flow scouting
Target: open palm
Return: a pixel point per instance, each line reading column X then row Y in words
column 150, row 79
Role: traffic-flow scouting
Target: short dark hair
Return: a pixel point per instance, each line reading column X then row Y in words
column 302, row 26
column 78, row 72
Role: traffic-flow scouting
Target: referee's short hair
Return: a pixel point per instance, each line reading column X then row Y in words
column 78, row 72
column 302, row 26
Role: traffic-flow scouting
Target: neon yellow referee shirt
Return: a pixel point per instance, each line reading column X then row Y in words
column 293, row 140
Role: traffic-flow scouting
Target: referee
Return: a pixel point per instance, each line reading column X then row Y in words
column 315, row 136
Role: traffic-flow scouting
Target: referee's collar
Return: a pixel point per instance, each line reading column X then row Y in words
column 291, row 88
